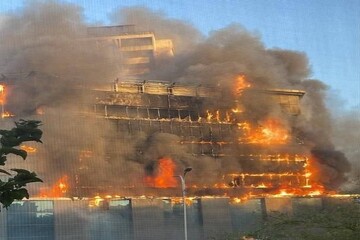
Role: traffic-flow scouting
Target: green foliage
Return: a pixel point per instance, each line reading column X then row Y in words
column 14, row 187
column 341, row 221
column 337, row 221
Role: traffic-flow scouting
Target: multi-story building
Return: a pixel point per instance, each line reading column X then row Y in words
column 161, row 107
column 138, row 50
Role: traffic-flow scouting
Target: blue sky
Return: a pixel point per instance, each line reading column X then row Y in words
column 328, row 31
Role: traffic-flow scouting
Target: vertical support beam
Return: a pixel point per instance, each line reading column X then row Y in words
column 216, row 217
column 148, row 219
column 3, row 224
column 127, row 111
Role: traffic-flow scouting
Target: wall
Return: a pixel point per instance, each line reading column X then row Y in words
column 146, row 219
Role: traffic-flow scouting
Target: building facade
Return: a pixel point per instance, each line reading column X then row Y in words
column 138, row 50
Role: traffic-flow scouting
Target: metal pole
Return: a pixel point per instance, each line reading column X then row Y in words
column 182, row 179
column 183, row 187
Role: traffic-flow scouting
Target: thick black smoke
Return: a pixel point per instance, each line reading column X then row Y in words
column 218, row 59
column 48, row 39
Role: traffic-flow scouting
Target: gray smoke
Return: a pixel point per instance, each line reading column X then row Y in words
column 183, row 34
column 44, row 57
column 346, row 137
column 46, row 39
column 231, row 51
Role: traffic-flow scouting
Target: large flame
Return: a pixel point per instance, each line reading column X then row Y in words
column 270, row 131
column 3, row 95
column 59, row 189
column 241, row 83
column 300, row 183
column 164, row 176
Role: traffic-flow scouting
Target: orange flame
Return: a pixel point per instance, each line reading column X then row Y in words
column 271, row 131
column 2, row 94
column 315, row 190
column 209, row 116
column 263, row 185
column 6, row 115
column 59, row 189
column 241, row 84
column 40, row 110
column 221, row 116
column 300, row 183
column 164, row 177
column 238, row 109
column 28, row 149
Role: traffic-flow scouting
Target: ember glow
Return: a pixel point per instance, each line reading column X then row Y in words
column 6, row 115
column 28, row 149
column 40, row 110
column 164, row 176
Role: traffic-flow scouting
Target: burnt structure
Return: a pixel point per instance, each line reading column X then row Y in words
column 221, row 135
column 138, row 50
column 236, row 132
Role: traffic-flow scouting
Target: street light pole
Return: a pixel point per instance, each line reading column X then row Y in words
column 183, row 189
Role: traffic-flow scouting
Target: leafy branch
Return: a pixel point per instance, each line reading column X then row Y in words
column 14, row 187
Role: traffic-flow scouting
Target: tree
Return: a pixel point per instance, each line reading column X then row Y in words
column 13, row 188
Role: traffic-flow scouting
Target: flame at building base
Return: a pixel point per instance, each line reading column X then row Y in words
column 59, row 189
column 164, row 177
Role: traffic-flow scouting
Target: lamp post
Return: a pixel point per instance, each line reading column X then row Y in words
column 183, row 188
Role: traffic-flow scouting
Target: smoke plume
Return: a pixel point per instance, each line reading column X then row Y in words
column 183, row 34
column 228, row 52
column 48, row 40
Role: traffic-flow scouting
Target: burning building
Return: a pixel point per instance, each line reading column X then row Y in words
column 246, row 118
column 138, row 50
column 221, row 137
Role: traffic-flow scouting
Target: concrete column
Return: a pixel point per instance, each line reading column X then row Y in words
column 148, row 219
column 3, row 224
column 215, row 217
column 277, row 205
column 70, row 219
column 246, row 216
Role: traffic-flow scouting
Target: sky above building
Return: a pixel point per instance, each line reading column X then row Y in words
column 328, row 31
